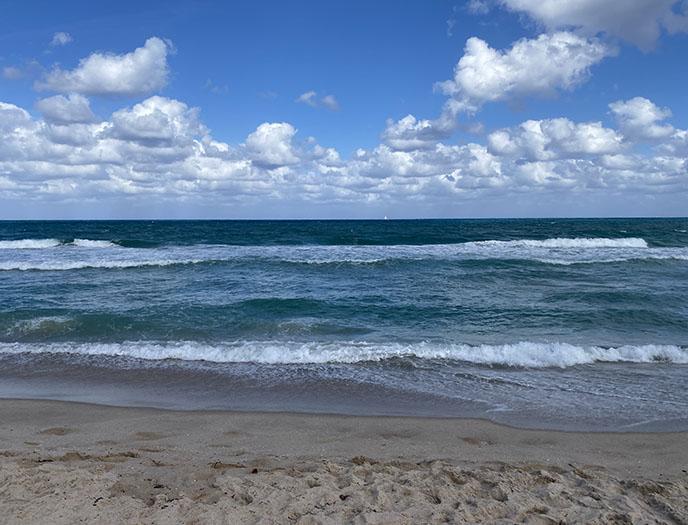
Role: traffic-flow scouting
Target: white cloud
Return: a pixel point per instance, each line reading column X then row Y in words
column 133, row 74
column 478, row 7
column 450, row 26
column 30, row 69
column 13, row 73
column 12, row 117
column 410, row 134
column 270, row 146
column 60, row 39
column 330, row 102
column 307, row 98
column 676, row 22
column 677, row 145
column 562, row 61
column 326, row 157
column 637, row 21
column 552, row 139
column 638, row 119
column 63, row 110
column 159, row 151
column 619, row 162
column 312, row 99
column 157, row 120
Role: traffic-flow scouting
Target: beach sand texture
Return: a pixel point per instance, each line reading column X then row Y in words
column 65, row 463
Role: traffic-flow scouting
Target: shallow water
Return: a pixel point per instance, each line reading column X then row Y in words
column 545, row 323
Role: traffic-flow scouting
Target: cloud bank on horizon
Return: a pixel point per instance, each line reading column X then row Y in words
column 60, row 155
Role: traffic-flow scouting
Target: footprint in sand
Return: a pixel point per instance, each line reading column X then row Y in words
column 57, row 431
column 235, row 433
column 476, row 442
column 147, row 436
column 399, row 435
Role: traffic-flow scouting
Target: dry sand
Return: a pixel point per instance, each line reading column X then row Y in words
column 78, row 463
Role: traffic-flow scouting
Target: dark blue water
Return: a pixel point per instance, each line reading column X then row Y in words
column 545, row 323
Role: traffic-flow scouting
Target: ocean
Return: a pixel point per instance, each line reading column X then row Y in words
column 539, row 323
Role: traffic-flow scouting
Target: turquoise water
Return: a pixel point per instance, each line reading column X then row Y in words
column 545, row 323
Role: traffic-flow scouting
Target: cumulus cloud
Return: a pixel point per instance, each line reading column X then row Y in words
column 637, row 21
column 64, row 110
column 541, row 66
column 133, row 74
column 326, row 158
column 409, row 133
column 60, row 39
column 270, row 146
column 13, row 117
column 638, row 119
column 156, row 120
column 159, row 150
column 312, row 99
column 552, row 139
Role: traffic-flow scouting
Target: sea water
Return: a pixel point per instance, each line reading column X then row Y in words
column 571, row 324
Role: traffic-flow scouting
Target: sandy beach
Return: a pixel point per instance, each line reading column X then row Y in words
column 71, row 463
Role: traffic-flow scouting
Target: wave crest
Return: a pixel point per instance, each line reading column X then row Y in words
column 523, row 354
column 564, row 242
column 29, row 244
column 112, row 254
column 88, row 243
column 82, row 265
column 42, row 244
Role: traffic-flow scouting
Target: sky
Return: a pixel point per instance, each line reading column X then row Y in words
column 358, row 109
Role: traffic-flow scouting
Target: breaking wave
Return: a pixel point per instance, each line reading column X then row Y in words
column 56, row 255
column 562, row 242
column 29, row 244
column 38, row 244
column 98, row 264
column 523, row 354
column 88, row 243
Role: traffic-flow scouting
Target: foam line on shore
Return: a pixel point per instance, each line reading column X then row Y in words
column 522, row 354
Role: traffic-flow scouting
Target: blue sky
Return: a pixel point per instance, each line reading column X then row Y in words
column 332, row 110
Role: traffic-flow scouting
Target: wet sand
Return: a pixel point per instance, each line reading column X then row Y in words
column 70, row 462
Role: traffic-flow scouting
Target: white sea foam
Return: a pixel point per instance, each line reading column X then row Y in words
column 29, row 244
column 98, row 264
column 523, row 354
column 45, row 325
column 549, row 251
column 562, row 242
column 38, row 244
column 88, row 243
column 629, row 242
column 105, row 254
column 657, row 255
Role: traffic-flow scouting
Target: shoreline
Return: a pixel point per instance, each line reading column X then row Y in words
column 238, row 412
column 275, row 389
column 62, row 461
